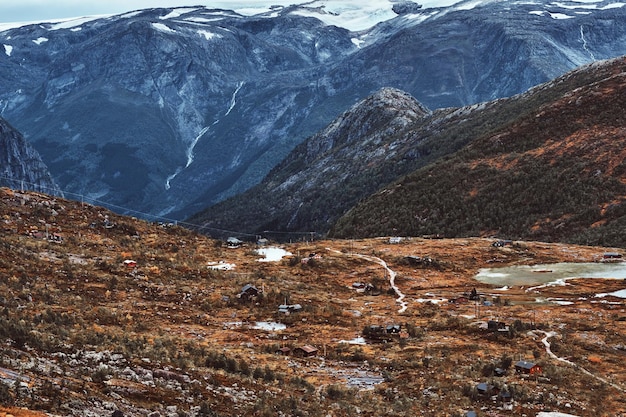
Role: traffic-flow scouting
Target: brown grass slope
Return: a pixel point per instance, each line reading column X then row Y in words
column 82, row 333
column 555, row 173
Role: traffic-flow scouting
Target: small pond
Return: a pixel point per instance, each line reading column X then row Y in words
column 519, row 275
column 272, row 254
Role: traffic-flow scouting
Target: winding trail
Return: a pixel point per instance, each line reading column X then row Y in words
column 546, row 343
column 392, row 276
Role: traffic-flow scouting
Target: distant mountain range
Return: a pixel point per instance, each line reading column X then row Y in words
column 547, row 165
column 163, row 112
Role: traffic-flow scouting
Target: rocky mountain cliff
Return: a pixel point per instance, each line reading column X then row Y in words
column 547, row 165
column 20, row 164
column 166, row 111
column 328, row 173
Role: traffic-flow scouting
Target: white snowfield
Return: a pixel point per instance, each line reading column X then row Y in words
column 354, row 15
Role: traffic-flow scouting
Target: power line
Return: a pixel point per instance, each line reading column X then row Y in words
column 112, row 207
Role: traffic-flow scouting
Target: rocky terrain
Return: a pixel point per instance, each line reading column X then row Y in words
column 104, row 315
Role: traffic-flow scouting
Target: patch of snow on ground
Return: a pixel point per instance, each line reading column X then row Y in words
column 221, row 266
column 420, row 17
column 432, row 300
column 272, row 254
column 131, row 14
column 163, row 28
column 73, row 23
column 357, row 42
column 356, row 341
column 588, row 5
column 554, row 414
column 561, row 282
column 575, row 6
column 40, row 40
column 560, row 302
column 8, row 49
column 618, row 294
column 209, row 35
column 195, row 19
column 270, row 326
column 613, row 6
column 559, row 16
column 469, row 5
column 178, row 12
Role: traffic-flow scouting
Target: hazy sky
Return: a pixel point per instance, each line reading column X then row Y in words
column 38, row 10
column 42, row 10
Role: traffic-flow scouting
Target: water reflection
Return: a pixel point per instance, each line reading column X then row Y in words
column 550, row 273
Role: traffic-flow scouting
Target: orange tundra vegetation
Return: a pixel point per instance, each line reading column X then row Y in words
column 371, row 327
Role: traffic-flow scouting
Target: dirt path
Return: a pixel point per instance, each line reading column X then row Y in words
column 546, row 343
column 392, row 276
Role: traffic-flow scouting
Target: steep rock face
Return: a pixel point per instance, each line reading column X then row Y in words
column 321, row 178
column 20, row 164
column 166, row 111
column 151, row 113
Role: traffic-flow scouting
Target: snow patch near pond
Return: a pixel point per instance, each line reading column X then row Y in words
column 269, row 326
column 272, row 254
column 221, row 265
column 618, row 294
column 356, row 341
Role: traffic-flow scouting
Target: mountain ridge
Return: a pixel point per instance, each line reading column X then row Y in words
column 422, row 145
column 167, row 111
column 556, row 174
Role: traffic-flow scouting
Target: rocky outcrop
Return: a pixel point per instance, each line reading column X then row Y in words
column 323, row 177
column 20, row 164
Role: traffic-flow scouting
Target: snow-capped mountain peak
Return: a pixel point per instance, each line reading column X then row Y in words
column 168, row 110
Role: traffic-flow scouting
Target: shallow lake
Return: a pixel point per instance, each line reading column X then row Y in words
column 550, row 273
